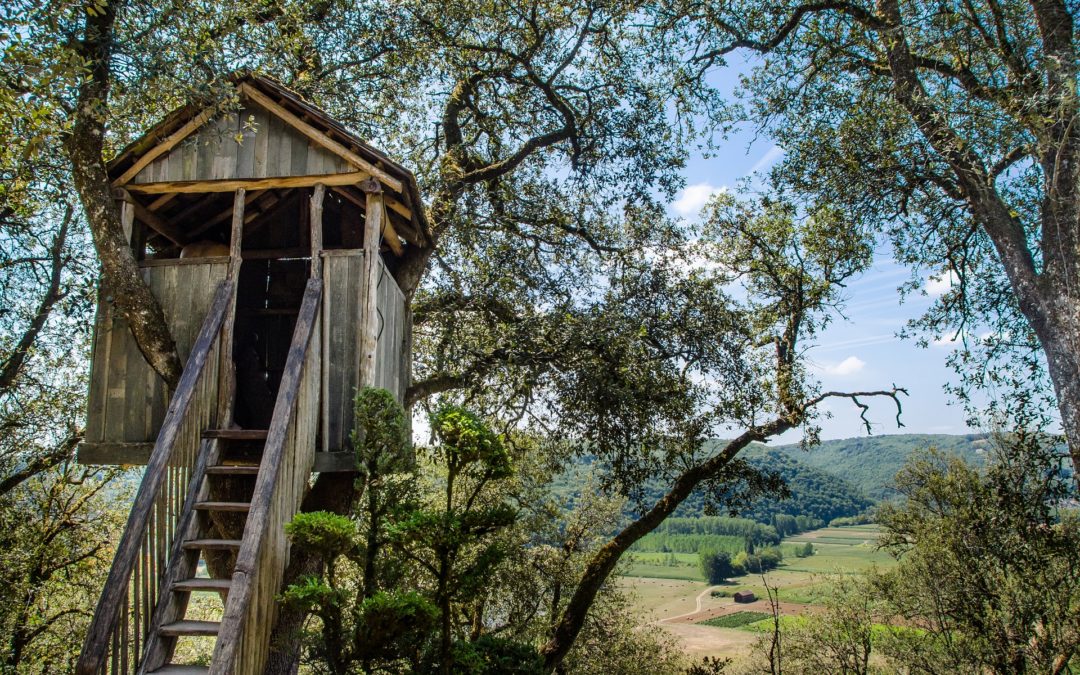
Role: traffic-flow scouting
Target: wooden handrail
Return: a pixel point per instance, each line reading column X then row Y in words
column 115, row 593
column 281, row 468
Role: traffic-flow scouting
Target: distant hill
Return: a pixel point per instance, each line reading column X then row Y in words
column 814, row 493
column 871, row 462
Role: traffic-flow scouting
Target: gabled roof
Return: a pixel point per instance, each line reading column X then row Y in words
column 397, row 181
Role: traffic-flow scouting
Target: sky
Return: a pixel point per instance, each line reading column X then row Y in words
column 861, row 352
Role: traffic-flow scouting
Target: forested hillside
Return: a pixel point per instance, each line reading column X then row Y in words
column 814, row 493
column 870, row 463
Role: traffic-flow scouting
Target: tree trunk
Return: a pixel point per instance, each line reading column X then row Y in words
column 1046, row 297
column 130, row 294
column 604, row 560
column 1058, row 329
column 332, row 492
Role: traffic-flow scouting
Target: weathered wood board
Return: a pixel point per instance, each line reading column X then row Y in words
column 127, row 401
column 244, row 144
column 343, row 278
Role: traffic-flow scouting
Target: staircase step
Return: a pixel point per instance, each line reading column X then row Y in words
column 212, row 545
column 188, row 628
column 222, row 506
column 233, row 470
column 176, row 669
column 236, row 434
column 200, row 584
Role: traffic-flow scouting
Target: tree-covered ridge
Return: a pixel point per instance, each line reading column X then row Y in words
column 870, row 463
column 815, row 493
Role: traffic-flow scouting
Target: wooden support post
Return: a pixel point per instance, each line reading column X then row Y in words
column 227, row 369
column 237, row 234
column 127, row 217
column 316, row 223
column 369, row 333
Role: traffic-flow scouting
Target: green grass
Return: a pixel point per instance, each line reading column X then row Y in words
column 736, row 620
column 664, row 566
column 765, row 625
column 661, row 572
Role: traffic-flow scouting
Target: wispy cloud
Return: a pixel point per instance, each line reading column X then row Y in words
column 694, row 197
column 849, row 366
column 940, row 284
column 865, row 341
column 768, row 159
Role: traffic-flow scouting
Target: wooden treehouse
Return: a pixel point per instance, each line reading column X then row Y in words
column 269, row 234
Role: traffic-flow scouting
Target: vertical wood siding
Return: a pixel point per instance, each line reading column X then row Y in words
column 248, row 143
column 127, row 399
column 343, row 279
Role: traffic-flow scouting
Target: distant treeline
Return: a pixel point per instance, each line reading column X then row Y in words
column 733, row 535
column 718, row 525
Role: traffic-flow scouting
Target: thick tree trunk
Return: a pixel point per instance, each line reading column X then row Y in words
column 334, row 492
column 604, row 560
column 1046, row 296
column 130, row 294
column 1057, row 325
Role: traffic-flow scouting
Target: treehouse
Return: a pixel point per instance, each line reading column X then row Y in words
column 269, row 234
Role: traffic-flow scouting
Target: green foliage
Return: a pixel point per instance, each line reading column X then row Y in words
column 991, row 536
column 735, row 619
column 313, row 592
column 393, row 623
column 762, row 561
column 465, row 441
column 986, row 579
column 870, row 463
column 816, row 496
column 361, row 622
column 381, row 428
column 853, row 521
column 328, row 534
column 805, row 551
column 716, row 566
column 494, row 655
column 689, row 543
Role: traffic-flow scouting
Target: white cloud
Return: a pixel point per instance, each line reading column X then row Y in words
column 693, row 198
column 768, row 159
column 940, row 284
column 849, row 366
column 947, row 341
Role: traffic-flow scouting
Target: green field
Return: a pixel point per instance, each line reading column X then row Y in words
column 838, row 550
column 664, row 585
column 664, row 566
column 736, row 620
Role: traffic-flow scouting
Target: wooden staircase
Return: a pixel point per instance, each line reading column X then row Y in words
column 213, row 495
column 223, row 476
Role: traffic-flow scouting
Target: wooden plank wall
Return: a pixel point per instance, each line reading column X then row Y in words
column 343, row 278
column 127, row 399
column 248, row 143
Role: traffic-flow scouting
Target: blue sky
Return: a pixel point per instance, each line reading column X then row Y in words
column 863, row 352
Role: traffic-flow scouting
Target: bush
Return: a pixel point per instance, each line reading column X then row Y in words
column 325, row 533
column 716, row 566
column 494, row 656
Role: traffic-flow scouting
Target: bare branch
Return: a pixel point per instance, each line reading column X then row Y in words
column 53, row 294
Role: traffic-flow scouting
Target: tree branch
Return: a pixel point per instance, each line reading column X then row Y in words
column 13, row 365
column 57, row 455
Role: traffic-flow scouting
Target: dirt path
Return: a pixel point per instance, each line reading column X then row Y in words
column 699, row 615
column 697, row 607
